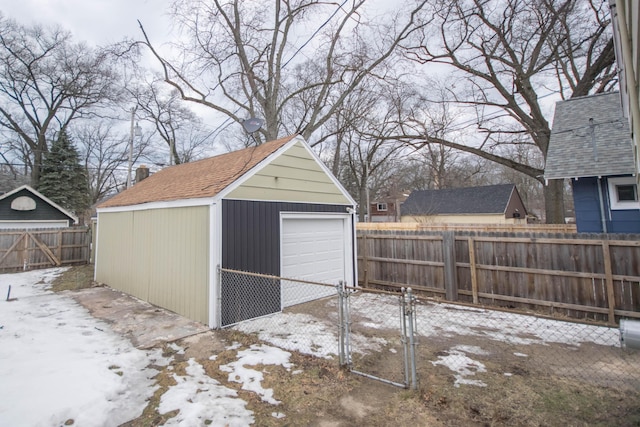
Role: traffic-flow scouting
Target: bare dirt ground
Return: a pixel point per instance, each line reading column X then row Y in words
column 325, row 395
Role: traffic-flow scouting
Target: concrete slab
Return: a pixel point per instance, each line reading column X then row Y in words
column 144, row 324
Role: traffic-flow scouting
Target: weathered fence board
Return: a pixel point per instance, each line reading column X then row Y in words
column 576, row 275
column 42, row 248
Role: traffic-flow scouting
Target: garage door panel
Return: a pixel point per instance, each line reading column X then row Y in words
column 313, row 249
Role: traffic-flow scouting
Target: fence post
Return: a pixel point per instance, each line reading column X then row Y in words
column 472, row 267
column 608, row 273
column 449, row 258
column 365, row 260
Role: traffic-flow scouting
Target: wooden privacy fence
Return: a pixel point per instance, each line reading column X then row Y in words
column 505, row 228
column 42, row 248
column 596, row 277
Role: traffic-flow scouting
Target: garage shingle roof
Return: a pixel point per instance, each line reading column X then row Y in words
column 575, row 152
column 199, row 179
column 489, row 199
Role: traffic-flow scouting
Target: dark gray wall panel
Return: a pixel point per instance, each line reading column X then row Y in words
column 251, row 232
column 43, row 212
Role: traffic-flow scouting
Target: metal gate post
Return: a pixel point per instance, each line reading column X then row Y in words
column 347, row 324
column 341, row 326
column 412, row 340
column 403, row 337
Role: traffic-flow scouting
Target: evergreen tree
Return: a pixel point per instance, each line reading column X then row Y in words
column 63, row 179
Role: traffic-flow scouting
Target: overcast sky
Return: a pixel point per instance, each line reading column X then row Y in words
column 97, row 22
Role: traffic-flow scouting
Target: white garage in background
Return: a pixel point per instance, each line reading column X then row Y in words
column 313, row 248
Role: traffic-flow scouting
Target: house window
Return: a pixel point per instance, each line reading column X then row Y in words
column 382, row 207
column 623, row 193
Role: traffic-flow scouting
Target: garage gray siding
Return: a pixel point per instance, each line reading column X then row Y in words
column 251, row 232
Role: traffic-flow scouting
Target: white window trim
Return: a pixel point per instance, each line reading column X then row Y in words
column 613, row 194
column 378, row 207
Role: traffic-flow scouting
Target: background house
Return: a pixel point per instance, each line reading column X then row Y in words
column 590, row 144
column 625, row 19
column 491, row 204
column 387, row 208
column 25, row 207
column 273, row 209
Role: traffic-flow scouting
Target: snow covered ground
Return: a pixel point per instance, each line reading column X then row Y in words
column 307, row 334
column 58, row 363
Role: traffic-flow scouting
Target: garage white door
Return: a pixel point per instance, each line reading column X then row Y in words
column 313, row 249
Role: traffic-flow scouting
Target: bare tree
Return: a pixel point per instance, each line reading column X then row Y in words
column 504, row 59
column 104, row 154
column 46, row 81
column 240, row 58
column 178, row 127
column 369, row 115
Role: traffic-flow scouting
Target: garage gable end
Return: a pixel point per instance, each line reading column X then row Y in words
column 295, row 175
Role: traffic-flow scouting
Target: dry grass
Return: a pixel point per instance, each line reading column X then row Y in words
column 77, row 277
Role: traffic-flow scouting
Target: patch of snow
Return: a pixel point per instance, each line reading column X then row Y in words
column 306, row 334
column 234, row 346
column 278, row 415
column 176, row 348
column 449, row 320
column 520, row 354
column 295, row 332
column 201, row 398
column 213, row 357
column 393, row 350
column 458, row 362
column 473, row 349
column 28, row 283
column 251, row 379
column 508, row 374
column 60, row 363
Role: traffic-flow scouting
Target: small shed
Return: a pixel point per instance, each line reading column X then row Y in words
column 273, row 209
column 489, row 204
column 591, row 145
column 24, row 208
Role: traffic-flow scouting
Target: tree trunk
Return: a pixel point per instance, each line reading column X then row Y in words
column 362, row 202
column 35, row 170
column 554, row 201
column 336, row 156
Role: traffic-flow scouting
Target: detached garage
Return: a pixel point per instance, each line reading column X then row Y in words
column 273, row 209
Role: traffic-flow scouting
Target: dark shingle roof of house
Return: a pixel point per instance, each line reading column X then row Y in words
column 581, row 148
column 490, row 199
column 199, row 179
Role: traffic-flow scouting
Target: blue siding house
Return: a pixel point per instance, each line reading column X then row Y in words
column 591, row 146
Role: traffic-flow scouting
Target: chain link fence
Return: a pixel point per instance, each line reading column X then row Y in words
column 398, row 340
column 474, row 344
column 326, row 320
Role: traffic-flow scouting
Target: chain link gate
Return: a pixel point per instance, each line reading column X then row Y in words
column 373, row 314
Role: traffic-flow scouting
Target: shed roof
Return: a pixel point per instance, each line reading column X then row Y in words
column 199, row 179
column 590, row 137
column 41, row 197
column 489, row 199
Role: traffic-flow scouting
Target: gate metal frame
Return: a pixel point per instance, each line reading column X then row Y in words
column 407, row 304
